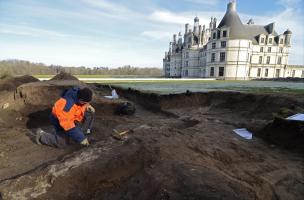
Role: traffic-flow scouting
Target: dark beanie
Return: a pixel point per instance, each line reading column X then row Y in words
column 85, row 95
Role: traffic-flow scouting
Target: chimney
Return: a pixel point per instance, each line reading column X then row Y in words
column 174, row 39
column 186, row 28
column 200, row 29
column 214, row 23
column 199, row 34
column 210, row 24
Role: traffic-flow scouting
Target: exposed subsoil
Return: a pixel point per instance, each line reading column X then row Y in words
column 180, row 147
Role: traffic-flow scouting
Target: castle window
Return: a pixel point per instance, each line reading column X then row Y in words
column 268, row 60
column 259, row 72
column 266, row 72
column 279, row 60
column 212, row 71
column 218, row 34
column 222, row 56
column 260, row 59
column 213, row 45
column 277, row 75
column 214, row 36
column 262, row 49
column 269, row 49
column 281, row 50
column 293, row 73
column 224, row 33
column 281, row 41
column 270, row 40
column 212, row 57
column 262, row 40
column 223, row 44
column 221, row 71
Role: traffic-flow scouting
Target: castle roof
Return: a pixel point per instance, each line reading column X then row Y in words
column 238, row 30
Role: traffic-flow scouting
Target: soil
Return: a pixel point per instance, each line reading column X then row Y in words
column 179, row 146
column 11, row 83
column 64, row 76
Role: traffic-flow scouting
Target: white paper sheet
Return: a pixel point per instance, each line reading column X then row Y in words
column 114, row 95
column 243, row 133
column 297, row 117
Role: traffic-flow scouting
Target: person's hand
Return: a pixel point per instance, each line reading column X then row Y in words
column 90, row 108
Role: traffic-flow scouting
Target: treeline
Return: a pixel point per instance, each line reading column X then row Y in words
column 21, row 67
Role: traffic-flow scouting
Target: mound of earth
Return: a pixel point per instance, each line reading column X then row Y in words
column 178, row 147
column 64, row 76
column 11, row 83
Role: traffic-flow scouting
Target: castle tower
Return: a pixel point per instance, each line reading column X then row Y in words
column 196, row 26
column 287, row 34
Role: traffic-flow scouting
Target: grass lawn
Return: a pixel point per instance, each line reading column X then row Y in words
column 182, row 85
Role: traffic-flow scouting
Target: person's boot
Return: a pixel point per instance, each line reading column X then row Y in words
column 39, row 133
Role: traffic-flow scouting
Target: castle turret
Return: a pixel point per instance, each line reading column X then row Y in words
column 287, row 34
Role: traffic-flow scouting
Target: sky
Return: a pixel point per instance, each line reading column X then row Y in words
column 113, row 33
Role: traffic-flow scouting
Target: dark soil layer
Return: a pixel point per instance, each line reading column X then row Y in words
column 179, row 147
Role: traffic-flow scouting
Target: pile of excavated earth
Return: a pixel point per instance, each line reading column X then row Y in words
column 179, row 146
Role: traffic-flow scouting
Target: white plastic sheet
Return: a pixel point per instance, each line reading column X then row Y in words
column 243, row 133
column 296, row 117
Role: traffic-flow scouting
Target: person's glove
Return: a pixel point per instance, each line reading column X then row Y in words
column 85, row 142
column 90, row 108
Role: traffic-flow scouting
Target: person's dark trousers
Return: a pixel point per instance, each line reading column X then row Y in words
column 60, row 138
column 87, row 122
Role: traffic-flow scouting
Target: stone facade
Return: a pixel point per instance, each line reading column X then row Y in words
column 231, row 50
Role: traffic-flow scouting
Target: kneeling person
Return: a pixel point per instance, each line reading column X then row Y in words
column 72, row 116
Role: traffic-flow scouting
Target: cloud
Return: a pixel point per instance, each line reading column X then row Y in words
column 30, row 31
column 289, row 3
column 168, row 17
column 107, row 5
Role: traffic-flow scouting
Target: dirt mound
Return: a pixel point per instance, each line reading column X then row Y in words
column 285, row 133
column 64, row 76
column 11, row 83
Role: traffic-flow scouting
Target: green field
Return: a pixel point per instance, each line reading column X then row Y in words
column 167, row 86
column 97, row 76
column 242, row 86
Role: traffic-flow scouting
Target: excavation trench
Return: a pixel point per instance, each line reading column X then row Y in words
column 181, row 147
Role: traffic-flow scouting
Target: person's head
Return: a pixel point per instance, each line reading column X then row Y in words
column 84, row 95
